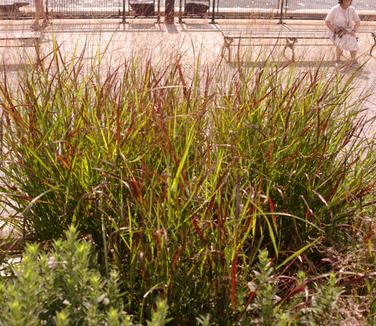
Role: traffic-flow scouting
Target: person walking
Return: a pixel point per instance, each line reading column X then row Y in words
column 39, row 14
column 343, row 23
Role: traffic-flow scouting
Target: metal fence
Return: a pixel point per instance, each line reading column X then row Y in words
column 213, row 9
column 107, row 8
column 324, row 5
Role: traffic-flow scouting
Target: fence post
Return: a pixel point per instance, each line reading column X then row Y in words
column 123, row 19
column 47, row 9
column 281, row 12
column 158, row 11
column 180, row 11
column 213, row 13
column 169, row 13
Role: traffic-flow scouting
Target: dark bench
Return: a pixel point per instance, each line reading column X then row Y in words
column 142, row 7
column 12, row 8
column 193, row 9
column 196, row 7
column 286, row 38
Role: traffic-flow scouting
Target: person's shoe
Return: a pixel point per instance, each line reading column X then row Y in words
column 35, row 27
column 355, row 65
column 338, row 63
column 45, row 23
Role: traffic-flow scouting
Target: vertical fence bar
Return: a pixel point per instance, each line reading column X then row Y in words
column 158, row 11
column 286, row 7
column 169, row 14
column 281, row 12
column 180, row 11
column 47, row 10
column 123, row 19
column 213, row 13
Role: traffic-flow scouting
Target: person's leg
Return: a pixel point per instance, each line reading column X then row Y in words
column 353, row 56
column 39, row 14
column 339, row 52
column 43, row 14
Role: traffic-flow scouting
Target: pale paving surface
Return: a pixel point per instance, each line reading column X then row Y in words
column 196, row 38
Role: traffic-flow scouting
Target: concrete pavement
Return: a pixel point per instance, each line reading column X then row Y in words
column 193, row 39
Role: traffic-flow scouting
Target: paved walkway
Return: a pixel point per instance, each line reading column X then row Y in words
column 192, row 39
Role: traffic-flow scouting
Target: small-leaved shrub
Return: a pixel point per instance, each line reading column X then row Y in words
column 267, row 308
column 64, row 287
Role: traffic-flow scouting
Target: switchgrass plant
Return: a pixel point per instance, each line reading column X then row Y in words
column 181, row 175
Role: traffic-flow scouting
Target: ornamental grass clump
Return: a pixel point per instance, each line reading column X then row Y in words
column 181, row 174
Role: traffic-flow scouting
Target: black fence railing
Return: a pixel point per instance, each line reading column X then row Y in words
column 96, row 8
column 211, row 9
column 324, row 5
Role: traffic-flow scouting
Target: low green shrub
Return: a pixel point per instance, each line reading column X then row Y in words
column 64, row 287
column 304, row 305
